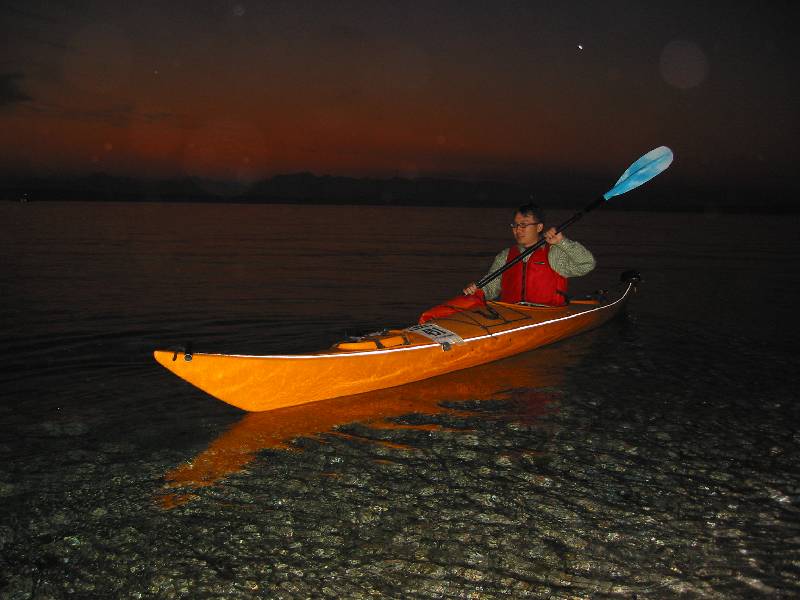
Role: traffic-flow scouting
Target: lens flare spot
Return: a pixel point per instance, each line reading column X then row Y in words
column 217, row 150
column 684, row 65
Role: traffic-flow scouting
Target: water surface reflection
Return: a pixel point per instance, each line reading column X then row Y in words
column 522, row 388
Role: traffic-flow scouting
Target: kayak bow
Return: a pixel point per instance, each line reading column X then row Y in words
column 388, row 358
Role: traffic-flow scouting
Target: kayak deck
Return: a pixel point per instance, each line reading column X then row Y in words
column 388, row 358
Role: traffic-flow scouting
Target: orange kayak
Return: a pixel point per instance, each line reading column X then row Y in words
column 388, row 358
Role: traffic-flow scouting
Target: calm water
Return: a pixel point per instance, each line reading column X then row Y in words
column 655, row 457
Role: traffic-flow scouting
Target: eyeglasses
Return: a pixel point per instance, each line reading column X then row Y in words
column 522, row 225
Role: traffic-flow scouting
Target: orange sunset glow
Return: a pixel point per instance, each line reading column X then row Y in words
column 244, row 91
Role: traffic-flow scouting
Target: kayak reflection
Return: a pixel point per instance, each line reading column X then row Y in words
column 523, row 382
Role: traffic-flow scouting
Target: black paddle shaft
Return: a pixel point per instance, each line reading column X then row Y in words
column 576, row 217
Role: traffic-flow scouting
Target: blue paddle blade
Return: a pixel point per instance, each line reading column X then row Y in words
column 642, row 171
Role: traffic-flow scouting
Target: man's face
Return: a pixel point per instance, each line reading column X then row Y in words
column 526, row 229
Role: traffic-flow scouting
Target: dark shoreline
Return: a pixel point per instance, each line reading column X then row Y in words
column 305, row 188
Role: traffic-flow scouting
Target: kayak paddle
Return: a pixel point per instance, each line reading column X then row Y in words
column 643, row 170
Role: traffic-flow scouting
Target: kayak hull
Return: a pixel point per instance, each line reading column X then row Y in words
column 386, row 359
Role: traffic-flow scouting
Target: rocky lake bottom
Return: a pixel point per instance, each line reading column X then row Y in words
column 640, row 472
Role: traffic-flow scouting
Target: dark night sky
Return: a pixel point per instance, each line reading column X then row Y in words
column 246, row 90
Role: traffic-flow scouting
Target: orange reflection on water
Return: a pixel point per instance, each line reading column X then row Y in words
column 519, row 380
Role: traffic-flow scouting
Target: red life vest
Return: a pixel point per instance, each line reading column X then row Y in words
column 533, row 281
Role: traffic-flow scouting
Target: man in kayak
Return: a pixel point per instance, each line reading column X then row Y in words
column 541, row 277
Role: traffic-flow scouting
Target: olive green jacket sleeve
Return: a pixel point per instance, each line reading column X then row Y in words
column 568, row 258
column 492, row 289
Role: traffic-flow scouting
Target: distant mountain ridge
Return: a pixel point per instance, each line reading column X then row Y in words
column 288, row 188
column 549, row 190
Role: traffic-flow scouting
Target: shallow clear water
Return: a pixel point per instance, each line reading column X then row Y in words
column 657, row 456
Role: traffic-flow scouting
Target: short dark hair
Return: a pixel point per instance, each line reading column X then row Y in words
column 533, row 210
